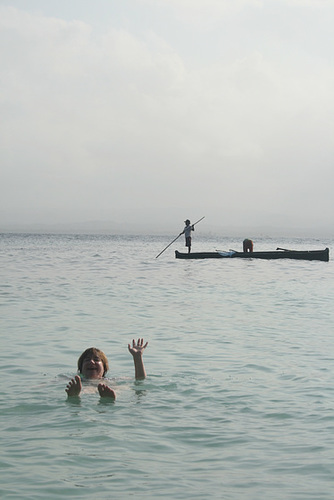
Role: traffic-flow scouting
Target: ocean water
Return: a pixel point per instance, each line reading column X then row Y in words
column 239, row 398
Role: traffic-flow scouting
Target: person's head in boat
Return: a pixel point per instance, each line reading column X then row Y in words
column 93, row 363
column 187, row 222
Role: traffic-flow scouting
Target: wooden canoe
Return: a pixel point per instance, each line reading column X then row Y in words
column 275, row 254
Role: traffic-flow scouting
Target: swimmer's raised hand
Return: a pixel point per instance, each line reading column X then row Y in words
column 137, row 350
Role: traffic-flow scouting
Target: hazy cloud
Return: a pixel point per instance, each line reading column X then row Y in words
column 130, row 122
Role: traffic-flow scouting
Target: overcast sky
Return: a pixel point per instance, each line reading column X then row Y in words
column 153, row 111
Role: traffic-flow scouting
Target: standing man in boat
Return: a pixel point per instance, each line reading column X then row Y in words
column 187, row 233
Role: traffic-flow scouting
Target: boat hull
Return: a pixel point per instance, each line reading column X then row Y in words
column 276, row 254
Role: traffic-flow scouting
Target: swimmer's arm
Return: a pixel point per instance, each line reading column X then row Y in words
column 137, row 350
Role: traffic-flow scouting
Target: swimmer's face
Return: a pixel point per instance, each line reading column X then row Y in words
column 92, row 367
column 94, row 358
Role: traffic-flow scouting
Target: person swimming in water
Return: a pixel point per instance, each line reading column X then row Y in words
column 93, row 365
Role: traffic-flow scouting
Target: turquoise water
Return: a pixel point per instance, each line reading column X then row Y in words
column 238, row 402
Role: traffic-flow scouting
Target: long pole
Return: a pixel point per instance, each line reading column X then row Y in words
column 199, row 220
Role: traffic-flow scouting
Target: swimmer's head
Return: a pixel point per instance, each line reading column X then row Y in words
column 94, row 355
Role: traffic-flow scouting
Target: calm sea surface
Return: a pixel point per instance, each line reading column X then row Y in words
column 239, row 398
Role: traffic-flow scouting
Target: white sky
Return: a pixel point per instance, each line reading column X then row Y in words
column 153, row 111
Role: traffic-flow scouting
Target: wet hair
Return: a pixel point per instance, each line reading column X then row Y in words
column 93, row 351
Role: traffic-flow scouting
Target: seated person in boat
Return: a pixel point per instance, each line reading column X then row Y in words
column 93, row 365
column 247, row 245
